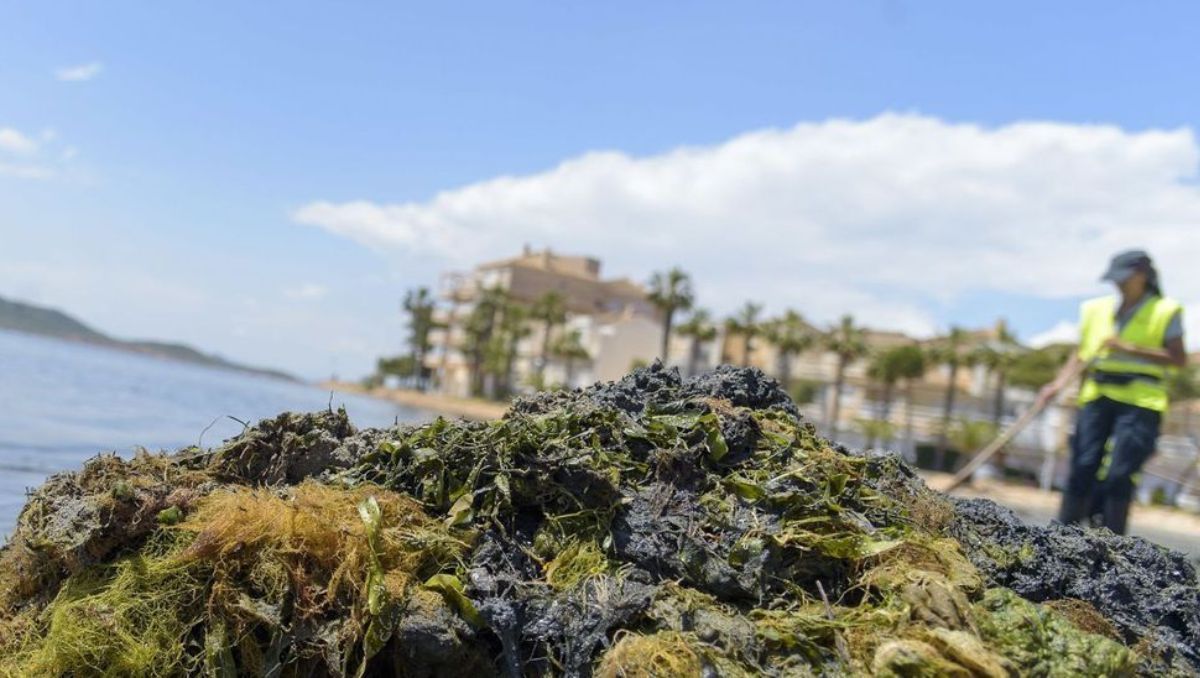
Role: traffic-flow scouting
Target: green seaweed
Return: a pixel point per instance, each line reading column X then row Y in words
column 692, row 536
column 1045, row 643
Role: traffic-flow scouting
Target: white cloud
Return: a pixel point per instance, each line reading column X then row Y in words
column 12, row 141
column 885, row 216
column 25, row 156
column 21, row 171
column 1063, row 332
column 306, row 292
column 79, row 73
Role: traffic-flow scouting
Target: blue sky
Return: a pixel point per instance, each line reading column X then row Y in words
column 164, row 195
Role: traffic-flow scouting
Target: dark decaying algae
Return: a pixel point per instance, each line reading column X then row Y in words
column 648, row 527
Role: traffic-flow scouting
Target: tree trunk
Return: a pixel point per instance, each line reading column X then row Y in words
column 477, row 375
column 545, row 353
column 888, row 388
column 998, row 399
column 888, row 394
column 694, row 357
column 570, row 373
column 666, row 335
column 909, row 441
column 883, row 417
column 446, row 346
column 414, row 372
column 886, row 409
column 947, row 411
column 746, row 351
column 835, row 411
column 785, row 371
column 419, row 369
column 510, row 360
column 1001, row 458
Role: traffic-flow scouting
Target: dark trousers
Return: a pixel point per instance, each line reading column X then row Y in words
column 1133, row 431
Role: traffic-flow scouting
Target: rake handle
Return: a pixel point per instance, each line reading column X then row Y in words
column 1003, row 439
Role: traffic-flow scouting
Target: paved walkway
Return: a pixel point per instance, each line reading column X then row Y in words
column 1169, row 527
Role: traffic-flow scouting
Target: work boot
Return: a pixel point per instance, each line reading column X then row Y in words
column 1116, row 514
column 1074, row 509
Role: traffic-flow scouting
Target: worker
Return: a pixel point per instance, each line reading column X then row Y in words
column 1128, row 345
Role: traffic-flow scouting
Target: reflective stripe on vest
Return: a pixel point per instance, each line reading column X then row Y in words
column 1119, row 377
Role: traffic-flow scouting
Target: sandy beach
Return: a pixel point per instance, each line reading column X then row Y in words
column 466, row 408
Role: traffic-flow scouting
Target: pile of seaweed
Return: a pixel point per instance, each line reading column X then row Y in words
column 649, row 527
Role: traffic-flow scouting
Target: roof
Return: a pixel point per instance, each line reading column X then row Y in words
column 885, row 338
column 546, row 260
column 627, row 287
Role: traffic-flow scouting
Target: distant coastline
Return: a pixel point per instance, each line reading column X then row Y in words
column 450, row 406
column 27, row 318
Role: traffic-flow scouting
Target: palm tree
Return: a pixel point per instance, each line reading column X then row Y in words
column 419, row 305
column 551, row 310
column 700, row 328
column 569, row 348
column 745, row 323
column 875, row 429
column 949, row 351
column 447, row 343
column 912, row 367
column 479, row 330
column 882, row 371
column 791, row 335
column 514, row 327
column 999, row 357
column 848, row 342
column 1034, row 369
column 670, row 291
column 968, row 436
column 888, row 368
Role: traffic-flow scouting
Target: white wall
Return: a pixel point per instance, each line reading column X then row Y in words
column 616, row 346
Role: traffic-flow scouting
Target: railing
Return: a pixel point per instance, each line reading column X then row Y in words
column 1172, row 468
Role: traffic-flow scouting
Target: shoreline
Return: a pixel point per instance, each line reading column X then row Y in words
column 466, row 408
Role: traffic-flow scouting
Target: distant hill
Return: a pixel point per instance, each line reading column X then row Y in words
column 49, row 322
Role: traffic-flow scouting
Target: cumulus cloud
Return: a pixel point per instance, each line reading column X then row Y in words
column 887, row 217
column 12, row 141
column 17, row 159
column 26, row 156
column 1063, row 332
column 79, row 73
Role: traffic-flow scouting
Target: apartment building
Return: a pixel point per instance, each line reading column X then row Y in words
column 616, row 324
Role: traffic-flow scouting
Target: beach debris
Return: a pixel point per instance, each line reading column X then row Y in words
column 654, row 526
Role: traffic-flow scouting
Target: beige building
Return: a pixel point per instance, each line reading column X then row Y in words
column 617, row 326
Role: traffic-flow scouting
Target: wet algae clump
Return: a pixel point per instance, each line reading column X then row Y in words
column 649, row 527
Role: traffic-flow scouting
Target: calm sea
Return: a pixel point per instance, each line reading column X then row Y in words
column 61, row 403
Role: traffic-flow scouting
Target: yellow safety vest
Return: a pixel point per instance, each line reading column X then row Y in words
column 1123, row 380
